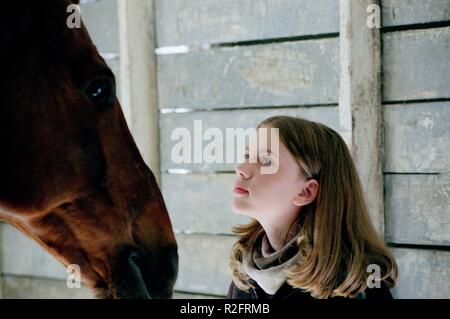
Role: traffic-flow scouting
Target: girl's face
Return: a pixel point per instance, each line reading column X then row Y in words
column 269, row 197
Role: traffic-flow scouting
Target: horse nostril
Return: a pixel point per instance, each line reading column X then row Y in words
column 135, row 279
column 134, row 258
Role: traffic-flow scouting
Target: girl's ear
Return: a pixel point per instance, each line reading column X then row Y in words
column 307, row 193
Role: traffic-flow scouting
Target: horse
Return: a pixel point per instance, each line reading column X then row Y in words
column 71, row 176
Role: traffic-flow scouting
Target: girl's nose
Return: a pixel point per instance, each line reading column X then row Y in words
column 243, row 170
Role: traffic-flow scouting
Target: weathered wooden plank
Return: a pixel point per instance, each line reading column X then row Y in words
column 281, row 74
column 138, row 69
column 101, row 20
column 423, row 273
column 416, row 64
column 200, row 203
column 360, row 101
column 17, row 287
column 204, row 264
column 403, row 12
column 22, row 256
column 417, row 138
column 418, row 209
column 228, row 119
column 181, row 22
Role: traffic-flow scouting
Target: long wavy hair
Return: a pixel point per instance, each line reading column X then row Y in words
column 337, row 239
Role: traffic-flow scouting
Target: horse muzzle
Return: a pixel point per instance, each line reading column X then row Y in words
column 141, row 275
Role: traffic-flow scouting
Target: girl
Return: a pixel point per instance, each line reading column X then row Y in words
column 310, row 235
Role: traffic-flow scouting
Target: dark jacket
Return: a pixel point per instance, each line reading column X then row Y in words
column 290, row 293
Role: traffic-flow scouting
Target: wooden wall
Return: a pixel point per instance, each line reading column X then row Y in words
column 249, row 60
column 416, row 95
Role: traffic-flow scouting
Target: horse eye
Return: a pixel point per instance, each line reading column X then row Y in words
column 101, row 92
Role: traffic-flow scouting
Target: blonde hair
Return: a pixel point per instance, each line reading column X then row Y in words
column 337, row 240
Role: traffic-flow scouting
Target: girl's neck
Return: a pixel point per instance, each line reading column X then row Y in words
column 279, row 236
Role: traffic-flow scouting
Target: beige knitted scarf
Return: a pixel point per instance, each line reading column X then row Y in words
column 266, row 267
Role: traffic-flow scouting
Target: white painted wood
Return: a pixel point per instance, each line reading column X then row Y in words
column 423, row 274
column 404, row 12
column 204, row 263
column 197, row 22
column 138, row 77
column 417, row 138
column 23, row 256
column 418, row 209
column 416, row 64
column 360, row 100
column 201, row 203
column 275, row 74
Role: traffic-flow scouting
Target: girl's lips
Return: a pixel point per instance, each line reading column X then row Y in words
column 240, row 191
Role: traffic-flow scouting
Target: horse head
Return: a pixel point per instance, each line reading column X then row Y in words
column 71, row 176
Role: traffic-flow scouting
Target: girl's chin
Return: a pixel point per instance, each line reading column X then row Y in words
column 237, row 208
column 234, row 209
column 240, row 209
